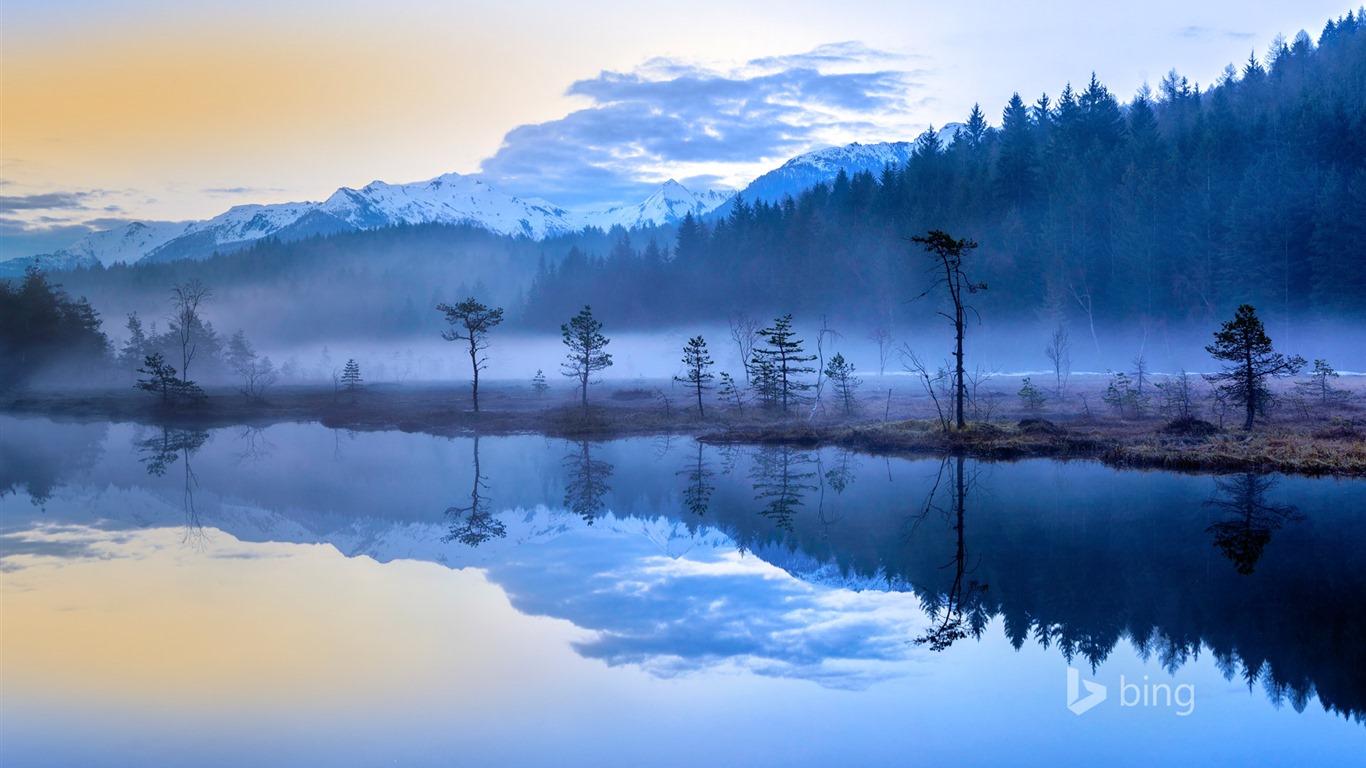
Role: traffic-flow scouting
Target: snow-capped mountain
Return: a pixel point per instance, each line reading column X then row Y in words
column 449, row 199
column 805, row 171
column 668, row 205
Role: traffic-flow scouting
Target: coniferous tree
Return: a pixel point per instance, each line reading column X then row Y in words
column 471, row 322
column 841, row 375
column 696, row 363
column 948, row 254
column 782, row 356
column 583, row 336
column 351, row 380
column 1243, row 345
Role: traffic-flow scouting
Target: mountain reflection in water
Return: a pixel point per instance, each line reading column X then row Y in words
column 1261, row 572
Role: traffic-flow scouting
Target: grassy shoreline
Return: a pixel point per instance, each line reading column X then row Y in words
column 1306, row 448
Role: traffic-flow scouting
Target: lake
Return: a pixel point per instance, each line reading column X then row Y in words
column 298, row 595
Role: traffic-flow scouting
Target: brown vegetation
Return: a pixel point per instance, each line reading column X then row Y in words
column 1296, row 440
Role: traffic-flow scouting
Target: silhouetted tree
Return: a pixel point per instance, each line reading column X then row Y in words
column 185, row 322
column 783, row 353
column 1243, row 344
column 958, row 612
column 948, row 254
column 161, row 378
column 841, row 375
column 696, row 361
column 782, row 477
column 351, row 380
column 583, row 335
column 471, row 322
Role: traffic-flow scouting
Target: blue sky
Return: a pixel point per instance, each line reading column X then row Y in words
column 158, row 110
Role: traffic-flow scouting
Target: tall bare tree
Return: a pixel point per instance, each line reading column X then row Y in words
column 745, row 331
column 185, row 322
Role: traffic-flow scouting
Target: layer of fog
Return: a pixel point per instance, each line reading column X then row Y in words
column 517, row 356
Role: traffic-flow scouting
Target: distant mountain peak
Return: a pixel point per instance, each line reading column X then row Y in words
column 451, row 198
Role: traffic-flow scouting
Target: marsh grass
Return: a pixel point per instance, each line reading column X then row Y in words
column 1291, row 441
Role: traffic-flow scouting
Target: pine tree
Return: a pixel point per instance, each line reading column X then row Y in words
column 696, row 361
column 538, row 384
column 730, row 392
column 1030, row 396
column 841, row 375
column 783, row 354
column 583, row 336
column 350, row 379
column 948, row 254
column 471, row 322
column 1243, row 343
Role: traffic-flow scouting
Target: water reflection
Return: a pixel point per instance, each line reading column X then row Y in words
column 159, row 452
column 782, row 476
column 1079, row 558
column 585, row 481
column 474, row 523
column 254, row 446
column 958, row 612
column 698, row 491
column 37, row 456
column 1248, row 520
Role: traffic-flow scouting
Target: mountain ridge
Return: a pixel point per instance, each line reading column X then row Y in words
column 450, row 198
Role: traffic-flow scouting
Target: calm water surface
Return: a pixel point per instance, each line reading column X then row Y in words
column 298, row 595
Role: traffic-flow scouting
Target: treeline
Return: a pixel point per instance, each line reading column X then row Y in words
column 1177, row 206
column 43, row 329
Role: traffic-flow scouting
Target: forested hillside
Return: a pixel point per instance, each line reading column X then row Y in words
column 1177, row 206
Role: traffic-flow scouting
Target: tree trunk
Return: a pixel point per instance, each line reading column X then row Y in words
column 474, row 363
column 958, row 353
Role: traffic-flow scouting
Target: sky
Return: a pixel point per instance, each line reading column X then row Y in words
column 164, row 110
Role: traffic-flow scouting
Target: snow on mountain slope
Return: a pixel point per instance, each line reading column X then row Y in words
column 451, row 199
column 812, row 168
column 129, row 242
column 48, row 262
column 667, row 205
column 447, row 199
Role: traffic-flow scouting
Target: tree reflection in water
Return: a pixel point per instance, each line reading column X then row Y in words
column 585, row 482
column 158, row 453
column 697, row 494
column 474, row 524
column 255, row 448
column 958, row 612
column 782, row 476
column 1249, row 520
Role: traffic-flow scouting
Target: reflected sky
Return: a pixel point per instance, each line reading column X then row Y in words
column 336, row 626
